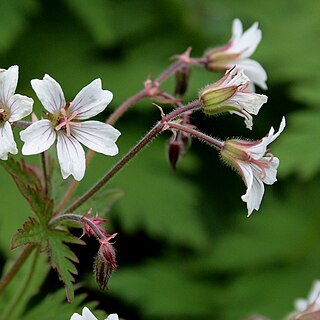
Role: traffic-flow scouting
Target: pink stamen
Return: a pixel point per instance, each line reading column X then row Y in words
column 262, row 165
column 67, row 122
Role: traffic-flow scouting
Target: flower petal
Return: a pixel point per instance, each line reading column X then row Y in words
column 113, row 316
column 8, row 83
column 236, row 30
column 255, row 188
column 98, row 136
column 49, row 93
column 249, row 41
column 38, row 137
column 271, row 172
column 71, row 157
column 86, row 315
column 253, row 70
column 20, row 107
column 7, row 143
column 91, row 100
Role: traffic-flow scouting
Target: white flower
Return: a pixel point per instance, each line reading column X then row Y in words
column 63, row 124
column 313, row 299
column 237, row 52
column 231, row 94
column 254, row 164
column 88, row 315
column 13, row 107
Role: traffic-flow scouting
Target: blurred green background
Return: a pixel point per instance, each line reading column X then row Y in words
column 185, row 248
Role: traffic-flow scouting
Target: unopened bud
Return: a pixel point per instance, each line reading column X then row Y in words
column 213, row 98
column 219, row 59
column 182, row 80
column 105, row 262
column 175, row 152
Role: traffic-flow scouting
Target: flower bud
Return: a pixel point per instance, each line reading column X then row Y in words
column 231, row 94
column 105, row 262
column 182, row 80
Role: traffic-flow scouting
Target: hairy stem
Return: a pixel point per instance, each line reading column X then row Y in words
column 201, row 136
column 78, row 218
column 136, row 149
column 15, row 267
column 115, row 116
column 46, row 178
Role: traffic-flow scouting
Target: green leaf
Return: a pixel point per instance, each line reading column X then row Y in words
column 102, row 201
column 27, row 180
column 31, row 273
column 61, row 258
column 27, row 174
column 54, row 242
column 296, row 147
column 31, row 233
column 60, row 309
column 14, row 21
column 156, row 284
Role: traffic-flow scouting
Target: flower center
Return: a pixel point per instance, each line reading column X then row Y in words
column 65, row 121
column 262, row 165
column 4, row 113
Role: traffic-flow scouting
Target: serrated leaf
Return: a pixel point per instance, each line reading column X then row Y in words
column 296, row 149
column 29, row 175
column 62, row 258
column 56, row 302
column 31, row 233
column 54, row 242
column 28, row 182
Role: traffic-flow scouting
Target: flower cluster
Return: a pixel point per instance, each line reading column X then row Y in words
column 62, row 123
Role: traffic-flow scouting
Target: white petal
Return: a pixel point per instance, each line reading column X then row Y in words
column 87, row 314
column 91, row 100
column 236, row 31
column 315, row 292
column 8, row 83
column 253, row 70
column 20, row 107
column 301, row 304
column 271, row 172
column 38, row 137
column 71, row 157
column 249, row 41
column 113, row 316
column 273, row 136
column 98, row 136
column 76, row 316
column 255, row 188
column 7, row 143
column 251, row 102
column 49, row 93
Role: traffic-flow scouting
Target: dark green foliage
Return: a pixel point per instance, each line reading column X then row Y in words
column 208, row 259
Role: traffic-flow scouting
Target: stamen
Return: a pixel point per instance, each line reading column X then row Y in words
column 67, row 122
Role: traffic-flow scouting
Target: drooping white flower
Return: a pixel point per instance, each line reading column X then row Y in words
column 237, row 52
column 307, row 309
column 313, row 298
column 231, row 94
column 88, row 315
column 13, row 107
column 254, row 164
column 63, row 123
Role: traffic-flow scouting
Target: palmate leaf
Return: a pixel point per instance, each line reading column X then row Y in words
column 56, row 301
column 27, row 179
column 54, row 243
